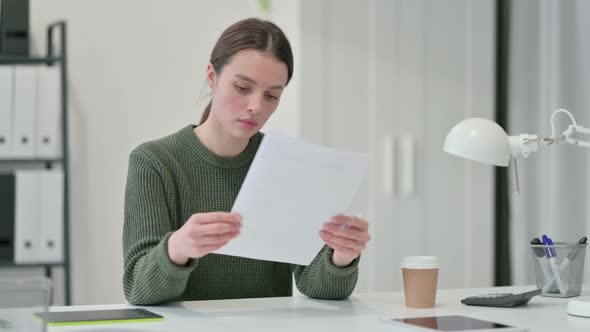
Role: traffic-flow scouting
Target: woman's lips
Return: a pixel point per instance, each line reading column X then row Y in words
column 248, row 124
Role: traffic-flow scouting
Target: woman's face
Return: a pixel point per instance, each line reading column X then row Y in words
column 246, row 92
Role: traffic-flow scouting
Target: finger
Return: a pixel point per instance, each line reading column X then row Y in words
column 343, row 242
column 212, row 217
column 347, row 232
column 352, row 221
column 217, row 239
column 215, row 228
column 210, row 248
column 341, row 249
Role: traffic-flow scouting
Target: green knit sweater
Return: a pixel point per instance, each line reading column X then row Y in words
column 176, row 176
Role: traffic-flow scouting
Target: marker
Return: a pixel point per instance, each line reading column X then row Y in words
column 550, row 251
column 572, row 255
column 551, row 254
column 540, row 253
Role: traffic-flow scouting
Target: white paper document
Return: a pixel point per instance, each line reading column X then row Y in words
column 291, row 189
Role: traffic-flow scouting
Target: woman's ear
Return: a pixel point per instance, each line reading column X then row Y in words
column 211, row 76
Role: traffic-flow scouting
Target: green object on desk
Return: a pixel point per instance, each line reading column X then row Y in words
column 4, row 324
column 92, row 317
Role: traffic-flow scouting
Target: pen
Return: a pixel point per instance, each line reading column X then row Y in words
column 572, row 255
column 540, row 253
column 551, row 254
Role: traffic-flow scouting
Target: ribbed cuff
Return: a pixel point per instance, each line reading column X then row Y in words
column 167, row 266
column 346, row 271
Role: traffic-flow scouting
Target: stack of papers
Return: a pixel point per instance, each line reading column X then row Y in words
column 291, row 189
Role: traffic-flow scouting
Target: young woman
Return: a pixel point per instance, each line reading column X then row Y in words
column 179, row 189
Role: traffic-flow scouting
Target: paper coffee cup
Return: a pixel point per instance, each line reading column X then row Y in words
column 420, row 274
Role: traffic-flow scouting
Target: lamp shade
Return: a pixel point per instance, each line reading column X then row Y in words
column 480, row 140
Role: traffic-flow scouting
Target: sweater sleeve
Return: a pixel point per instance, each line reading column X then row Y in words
column 149, row 277
column 323, row 280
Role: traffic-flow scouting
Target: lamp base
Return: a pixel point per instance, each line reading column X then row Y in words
column 579, row 306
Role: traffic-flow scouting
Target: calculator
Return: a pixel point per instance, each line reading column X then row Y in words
column 504, row 300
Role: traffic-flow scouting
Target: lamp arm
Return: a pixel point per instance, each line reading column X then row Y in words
column 566, row 136
column 524, row 144
column 571, row 129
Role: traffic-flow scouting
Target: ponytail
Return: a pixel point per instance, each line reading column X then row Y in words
column 205, row 114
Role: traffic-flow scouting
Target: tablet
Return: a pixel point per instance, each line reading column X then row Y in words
column 132, row 315
column 452, row 323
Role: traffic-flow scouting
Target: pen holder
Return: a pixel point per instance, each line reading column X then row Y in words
column 559, row 268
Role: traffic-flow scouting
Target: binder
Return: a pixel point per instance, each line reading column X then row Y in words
column 49, row 108
column 27, row 214
column 14, row 27
column 25, row 97
column 6, row 110
column 51, row 220
column 7, row 200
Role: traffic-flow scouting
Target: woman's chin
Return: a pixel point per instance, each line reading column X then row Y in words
column 243, row 133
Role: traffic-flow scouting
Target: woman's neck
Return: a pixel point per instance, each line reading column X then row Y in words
column 217, row 141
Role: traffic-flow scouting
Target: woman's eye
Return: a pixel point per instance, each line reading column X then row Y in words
column 242, row 89
column 271, row 97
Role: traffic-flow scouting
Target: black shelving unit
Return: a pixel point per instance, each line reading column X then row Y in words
column 52, row 58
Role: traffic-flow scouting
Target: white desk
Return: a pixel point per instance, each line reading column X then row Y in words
column 360, row 313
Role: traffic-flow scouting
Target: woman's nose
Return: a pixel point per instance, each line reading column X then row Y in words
column 255, row 104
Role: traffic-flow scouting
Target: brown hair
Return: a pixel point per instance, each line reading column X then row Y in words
column 251, row 33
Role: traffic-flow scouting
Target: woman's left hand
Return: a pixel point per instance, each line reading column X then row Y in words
column 348, row 236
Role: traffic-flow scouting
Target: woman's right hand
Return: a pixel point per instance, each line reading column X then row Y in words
column 202, row 234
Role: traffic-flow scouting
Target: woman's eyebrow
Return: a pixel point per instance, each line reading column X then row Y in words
column 248, row 79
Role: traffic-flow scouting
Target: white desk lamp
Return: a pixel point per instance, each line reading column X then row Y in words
column 485, row 141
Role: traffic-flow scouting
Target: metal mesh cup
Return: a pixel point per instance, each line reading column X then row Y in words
column 559, row 268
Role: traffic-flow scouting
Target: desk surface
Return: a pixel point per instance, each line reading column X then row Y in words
column 362, row 312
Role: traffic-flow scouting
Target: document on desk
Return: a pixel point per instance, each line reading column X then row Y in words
column 291, row 189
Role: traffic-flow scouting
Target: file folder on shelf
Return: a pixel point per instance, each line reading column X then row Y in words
column 25, row 97
column 49, row 110
column 27, row 215
column 6, row 110
column 51, row 234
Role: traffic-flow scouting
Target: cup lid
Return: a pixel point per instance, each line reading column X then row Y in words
column 419, row 262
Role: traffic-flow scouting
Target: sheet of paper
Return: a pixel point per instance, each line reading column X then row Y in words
column 291, row 189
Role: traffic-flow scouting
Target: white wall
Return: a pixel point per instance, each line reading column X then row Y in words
column 406, row 70
column 136, row 72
